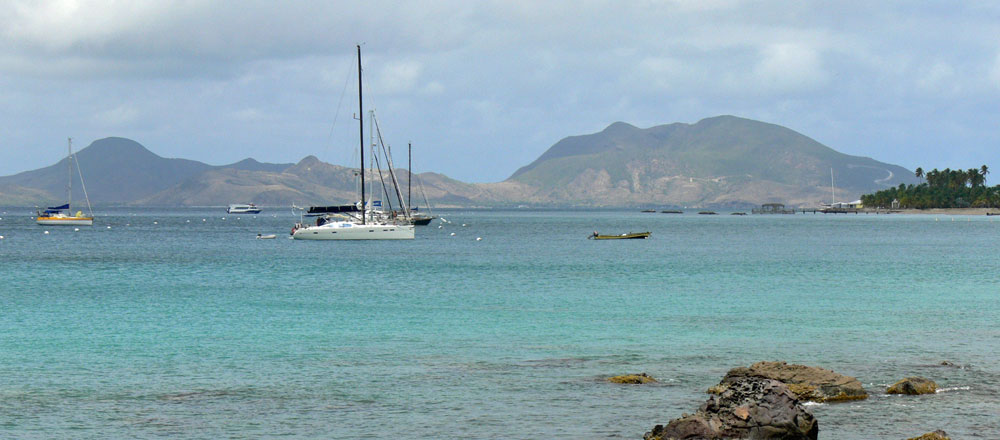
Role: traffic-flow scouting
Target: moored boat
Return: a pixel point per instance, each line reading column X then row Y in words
column 63, row 215
column 626, row 236
column 358, row 221
column 248, row 208
column 416, row 218
column 421, row 219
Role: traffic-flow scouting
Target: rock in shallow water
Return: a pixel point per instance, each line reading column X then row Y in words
column 749, row 408
column 808, row 383
column 640, row 378
column 936, row 435
column 913, row 386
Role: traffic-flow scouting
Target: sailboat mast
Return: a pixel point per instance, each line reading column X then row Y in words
column 409, row 173
column 361, row 135
column 833, row 193
column 69, row 166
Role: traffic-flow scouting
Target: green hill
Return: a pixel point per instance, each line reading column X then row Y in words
column 723, row 160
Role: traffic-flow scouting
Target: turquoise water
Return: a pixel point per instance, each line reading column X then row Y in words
column 168, row 325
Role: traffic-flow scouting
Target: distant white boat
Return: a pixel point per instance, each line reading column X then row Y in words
column 249, row 208
column 63, row 215
column 266, row 237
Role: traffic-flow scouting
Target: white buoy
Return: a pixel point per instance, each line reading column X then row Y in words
column 479, row 238
column 202, row 219
column 439, row 226
column 451, row 233
column 46, row 232
column 1, row 237
column 463, row 224
column 187, row 221
column 76, row 229
column 156, row 223
column 109, row 227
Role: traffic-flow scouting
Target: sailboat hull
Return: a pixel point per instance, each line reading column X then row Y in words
column 66, row 221
column 354, row 232
column 422, row 221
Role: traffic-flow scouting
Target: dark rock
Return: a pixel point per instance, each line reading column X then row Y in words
column 936, row 435
column 913, row 386
column 808, row 383
column 640, row 378
column 749, row 408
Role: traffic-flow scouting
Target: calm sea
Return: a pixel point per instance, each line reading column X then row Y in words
column 179, row 323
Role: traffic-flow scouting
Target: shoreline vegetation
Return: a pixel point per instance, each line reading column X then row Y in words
column 949, row 211
column 941, row 189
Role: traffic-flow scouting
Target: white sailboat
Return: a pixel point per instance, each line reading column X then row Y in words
column 63, row 215
column 353, row 222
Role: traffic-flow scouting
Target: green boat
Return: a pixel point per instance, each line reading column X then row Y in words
column 628, row 236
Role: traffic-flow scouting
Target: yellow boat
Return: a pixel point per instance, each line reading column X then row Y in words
column 628, row 236
column 63, row 215
column 56, row 216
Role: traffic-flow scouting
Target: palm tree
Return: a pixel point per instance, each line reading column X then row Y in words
column 920, row 172
column 975, row 179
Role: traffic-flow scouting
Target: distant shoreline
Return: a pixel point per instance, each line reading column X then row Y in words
column 949, row 211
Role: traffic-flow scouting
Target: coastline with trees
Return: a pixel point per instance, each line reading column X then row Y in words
column 942, row 190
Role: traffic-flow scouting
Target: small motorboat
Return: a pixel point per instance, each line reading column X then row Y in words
column 627, row 236
column 265, row 237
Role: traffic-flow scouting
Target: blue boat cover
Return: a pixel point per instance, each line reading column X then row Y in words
column 58, row 208
column 332, row 209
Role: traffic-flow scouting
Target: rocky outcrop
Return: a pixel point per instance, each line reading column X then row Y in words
column 808, row 383
column 913, row 386
column 936, row 435
column 640, row 378
column 750, row 407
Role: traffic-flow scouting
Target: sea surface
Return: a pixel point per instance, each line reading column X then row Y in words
column 179, row 323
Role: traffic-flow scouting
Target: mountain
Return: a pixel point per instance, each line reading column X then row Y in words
column 723, row 161
column 308, row 182
column 250, row 164
column 720, row 161
column 114, row 170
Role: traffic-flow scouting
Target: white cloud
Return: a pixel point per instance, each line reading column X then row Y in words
column 789, row 67
column 397, row 76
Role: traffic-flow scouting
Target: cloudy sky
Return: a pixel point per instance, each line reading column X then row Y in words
column 481, row 88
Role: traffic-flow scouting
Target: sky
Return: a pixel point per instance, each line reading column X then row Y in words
column 481, row 88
